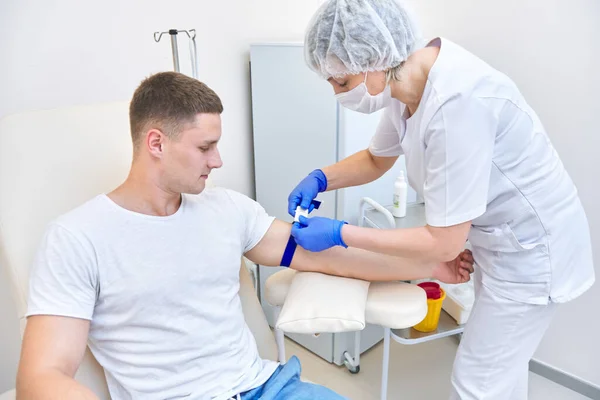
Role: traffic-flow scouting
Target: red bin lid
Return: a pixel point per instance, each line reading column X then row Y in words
column 432, row 290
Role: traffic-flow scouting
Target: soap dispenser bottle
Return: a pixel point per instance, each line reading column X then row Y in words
column 400, row 195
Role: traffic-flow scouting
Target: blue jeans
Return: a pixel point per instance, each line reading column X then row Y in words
column 285, row 384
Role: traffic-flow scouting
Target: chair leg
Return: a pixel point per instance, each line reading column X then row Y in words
column 387, row 333
column 357, row 348
column 280, row 339
column 353, row 362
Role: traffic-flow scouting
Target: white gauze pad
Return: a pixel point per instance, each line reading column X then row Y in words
column 300, row 211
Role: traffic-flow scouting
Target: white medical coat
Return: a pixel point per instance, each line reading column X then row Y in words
column 477, row 152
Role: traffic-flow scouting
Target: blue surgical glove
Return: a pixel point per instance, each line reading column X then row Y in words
column 306, row 191
column 318, row 233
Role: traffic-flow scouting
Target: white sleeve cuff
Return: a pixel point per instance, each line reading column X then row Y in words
column 443, row 221
column 59, row 312
column 393, row 152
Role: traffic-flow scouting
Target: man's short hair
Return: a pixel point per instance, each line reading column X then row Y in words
column 168, row 101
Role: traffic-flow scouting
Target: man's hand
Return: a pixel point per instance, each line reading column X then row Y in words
column 456, row 271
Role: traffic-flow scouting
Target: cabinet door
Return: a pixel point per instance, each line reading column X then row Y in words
column 295, row 131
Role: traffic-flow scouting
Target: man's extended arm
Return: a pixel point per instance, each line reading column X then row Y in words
column 350, row 262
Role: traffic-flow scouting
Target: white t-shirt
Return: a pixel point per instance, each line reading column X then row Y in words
column 476, row 151
column 161, row 293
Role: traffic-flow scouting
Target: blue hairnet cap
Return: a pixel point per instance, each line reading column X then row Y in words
column 353, row 36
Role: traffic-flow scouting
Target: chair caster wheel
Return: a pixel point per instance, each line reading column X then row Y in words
column 349, row 363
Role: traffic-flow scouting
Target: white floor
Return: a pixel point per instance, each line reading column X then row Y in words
column 408, row 381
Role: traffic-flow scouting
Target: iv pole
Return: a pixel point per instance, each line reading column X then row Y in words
column 174, row 49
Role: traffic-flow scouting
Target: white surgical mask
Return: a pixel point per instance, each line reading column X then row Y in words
column 359, row 99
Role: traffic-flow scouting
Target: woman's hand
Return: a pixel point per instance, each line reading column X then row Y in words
column 306, row 191
column 458, row 270
column 318, row 233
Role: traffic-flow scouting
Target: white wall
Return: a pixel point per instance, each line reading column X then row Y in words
column 64, row 52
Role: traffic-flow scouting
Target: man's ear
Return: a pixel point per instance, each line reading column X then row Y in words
column 155, row 140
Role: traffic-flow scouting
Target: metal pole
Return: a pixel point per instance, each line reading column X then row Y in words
column 387, row 333
column 357, row 348
column 173, row 33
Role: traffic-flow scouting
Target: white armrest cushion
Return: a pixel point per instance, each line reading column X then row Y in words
column 319, row 303
column 278, row 285
column 395, row 305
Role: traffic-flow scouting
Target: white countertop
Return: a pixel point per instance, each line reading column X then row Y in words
column 415, row 217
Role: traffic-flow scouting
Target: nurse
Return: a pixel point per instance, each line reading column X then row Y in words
column 479, row 156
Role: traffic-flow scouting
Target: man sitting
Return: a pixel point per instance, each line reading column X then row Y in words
column 148, row 274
